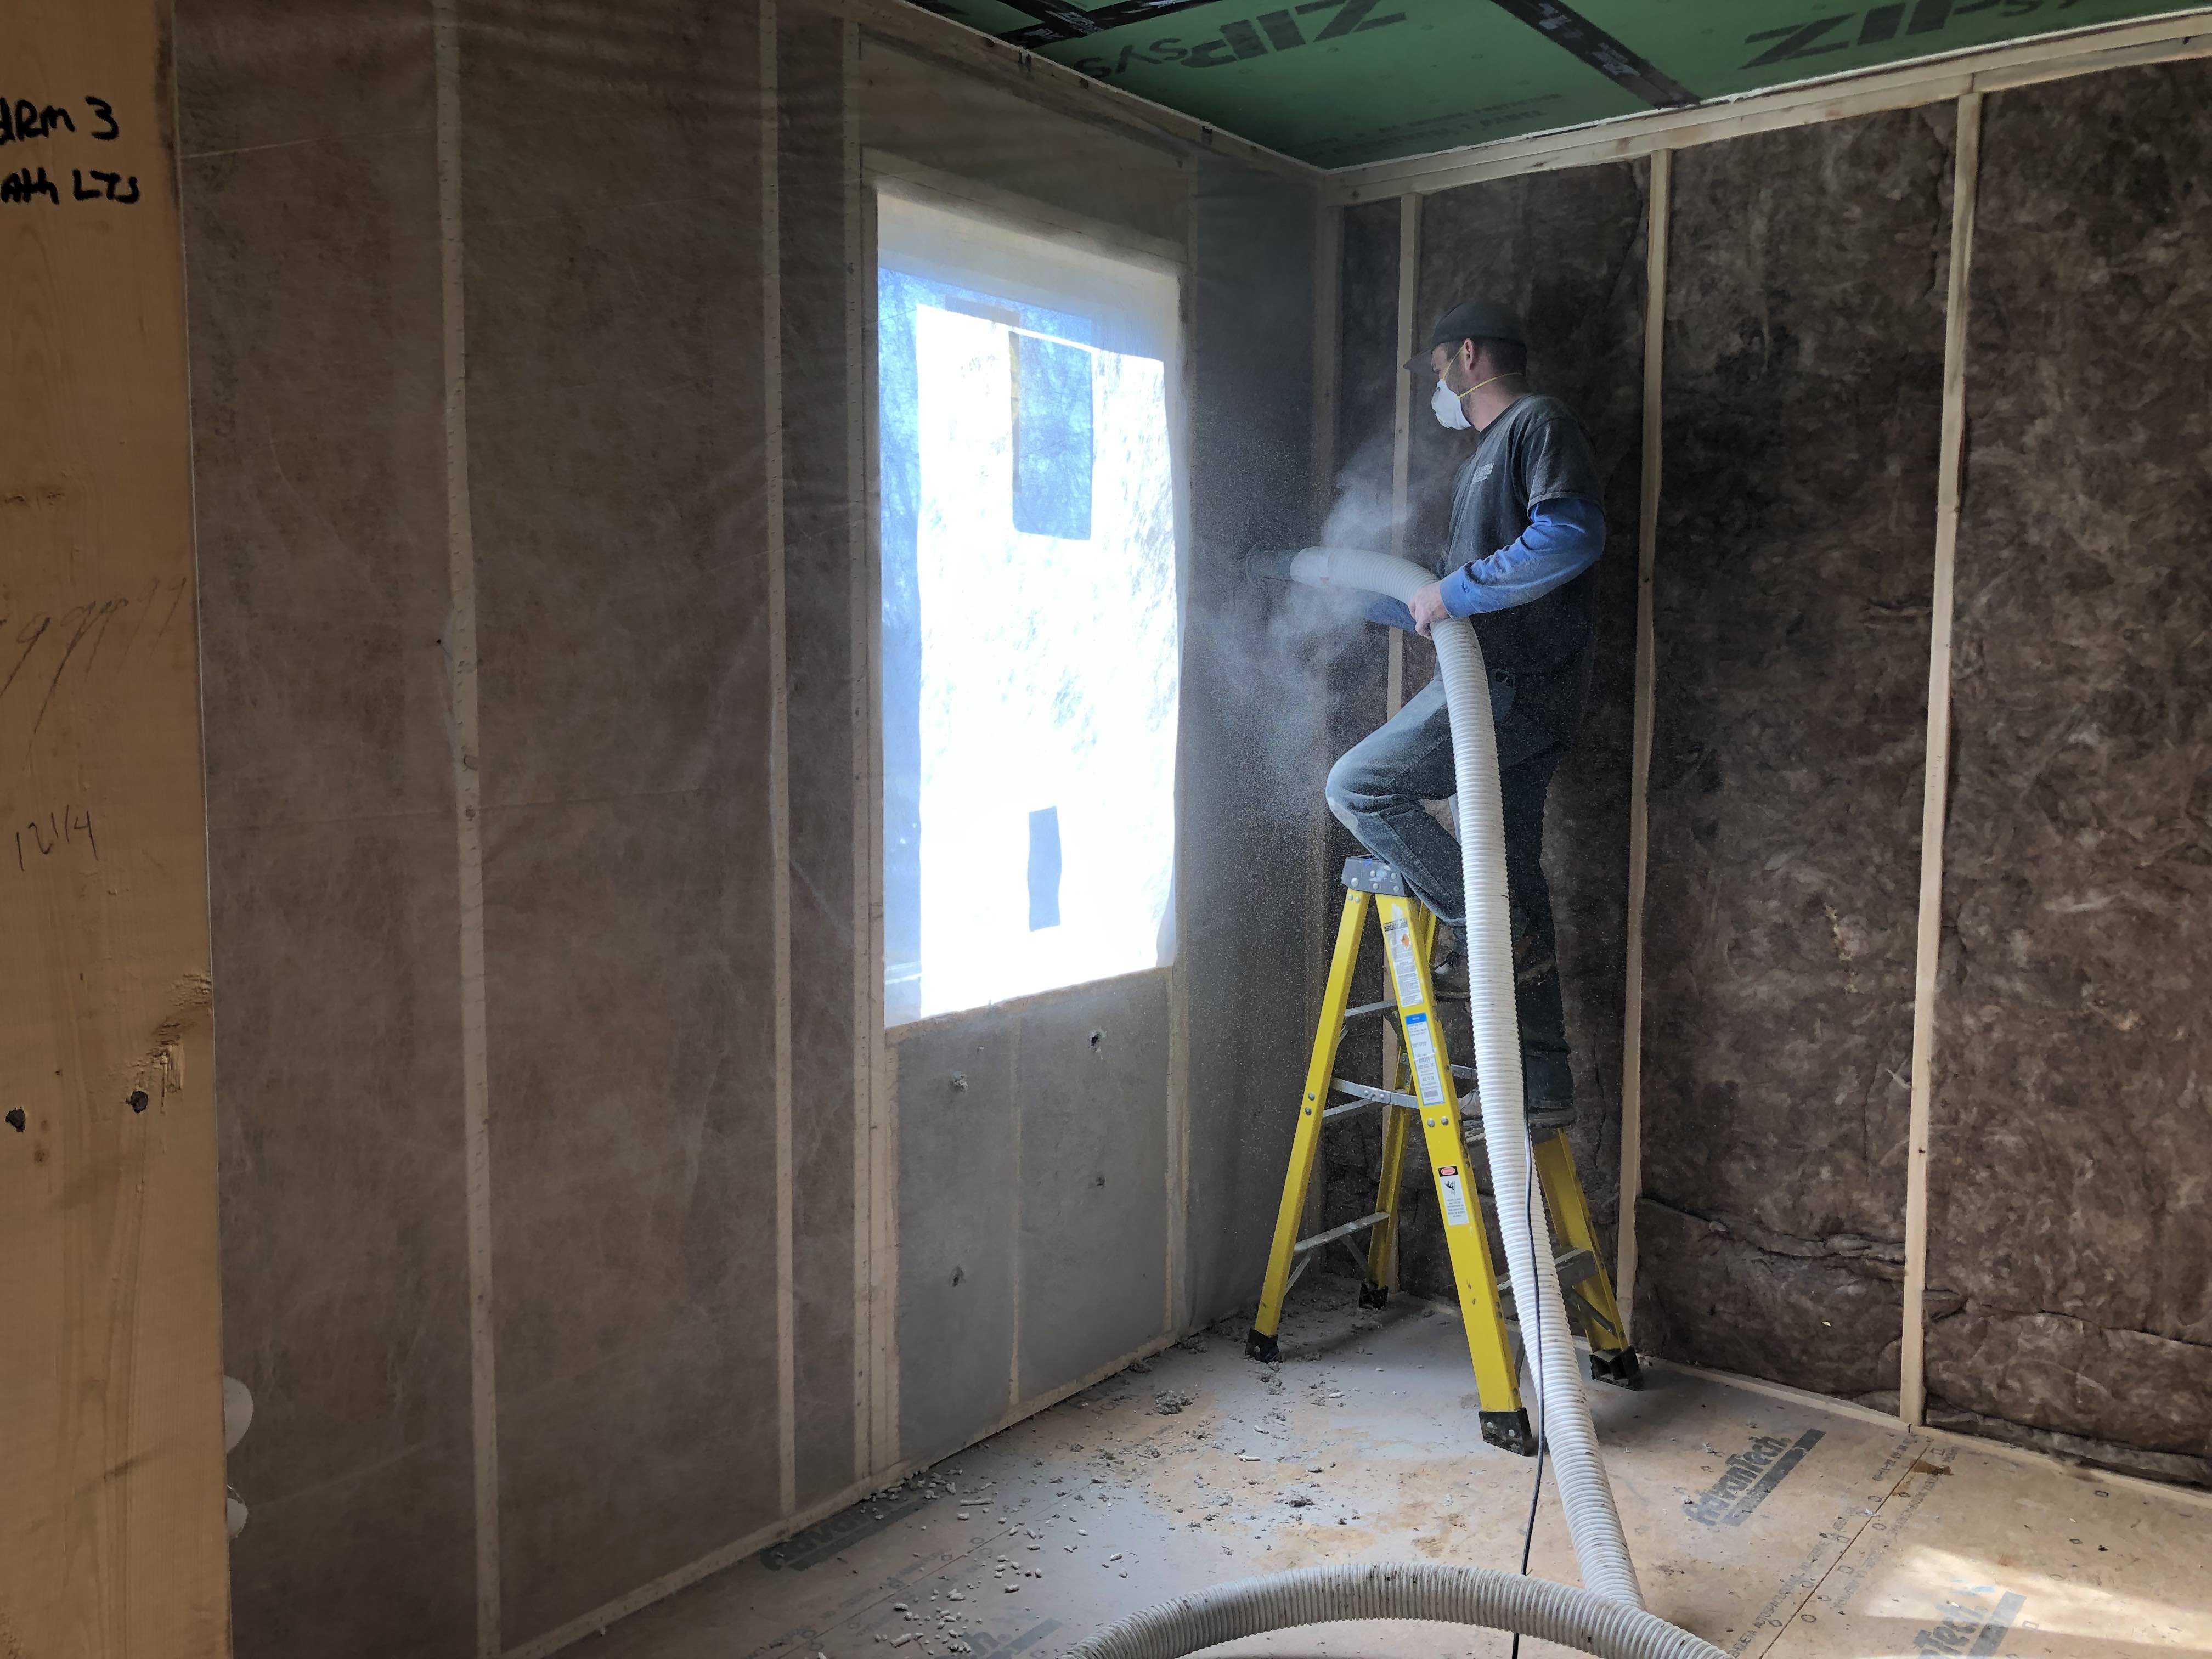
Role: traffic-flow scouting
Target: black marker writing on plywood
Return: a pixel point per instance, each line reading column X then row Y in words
column 33, row 120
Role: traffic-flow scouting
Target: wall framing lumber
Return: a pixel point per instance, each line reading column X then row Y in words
column 1930, row 81
column 882, row 1324
column 1328, row 279
column 1401, row 468
column 112, row 1539
column 1639, row 788
column 867, row 864
column 1401, row 444
column 1912, row 1392
column 779, row 763
column 463, row 725
column 1176, row 1295
column 1175, row 1252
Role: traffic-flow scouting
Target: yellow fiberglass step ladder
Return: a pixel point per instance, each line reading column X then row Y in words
column 1428, row 1091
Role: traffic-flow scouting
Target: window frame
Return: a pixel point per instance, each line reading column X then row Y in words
column 883, row 173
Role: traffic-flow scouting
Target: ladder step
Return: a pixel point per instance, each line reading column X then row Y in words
column 1369, row 1010
column 1334, row 1233
column 1573, row 1266
column 1365, row 1095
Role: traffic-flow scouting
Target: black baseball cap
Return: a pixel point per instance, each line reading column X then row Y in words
column 1471, row 320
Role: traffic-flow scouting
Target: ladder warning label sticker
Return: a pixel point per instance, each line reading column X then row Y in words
column 1421, row 1046
column 1398, row 936
column 1456, row 1214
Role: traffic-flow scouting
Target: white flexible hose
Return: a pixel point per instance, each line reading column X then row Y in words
column 1561, row 1614
column 1601, row 1551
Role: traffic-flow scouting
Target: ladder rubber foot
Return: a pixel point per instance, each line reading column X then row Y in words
column 1509, row 1431
column 1261, row 1346
column 1374, row 1296
column 1619, row 1368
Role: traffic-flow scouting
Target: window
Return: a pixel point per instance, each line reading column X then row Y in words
column 1032, row 617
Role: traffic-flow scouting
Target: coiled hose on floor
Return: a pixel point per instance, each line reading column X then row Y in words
column 1601, row 1551
column 1571, row 1617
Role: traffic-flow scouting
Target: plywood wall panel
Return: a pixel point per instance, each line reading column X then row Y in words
column 2068, row 1231
column 111, row 1470
column 1803, row 362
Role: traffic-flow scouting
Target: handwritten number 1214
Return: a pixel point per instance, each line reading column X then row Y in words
column 69, row 824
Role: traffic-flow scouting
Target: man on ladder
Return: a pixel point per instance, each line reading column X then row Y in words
column 1527, row 524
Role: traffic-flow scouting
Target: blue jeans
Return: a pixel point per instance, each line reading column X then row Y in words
column 1376, row 790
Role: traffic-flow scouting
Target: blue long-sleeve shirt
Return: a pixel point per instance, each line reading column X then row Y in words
column 1565, row 537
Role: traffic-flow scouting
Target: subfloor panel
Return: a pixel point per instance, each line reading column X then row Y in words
column 1767, row 1524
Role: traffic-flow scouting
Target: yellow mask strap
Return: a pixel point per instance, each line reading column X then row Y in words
column 1479, row 385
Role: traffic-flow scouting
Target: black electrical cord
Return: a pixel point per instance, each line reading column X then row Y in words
column 1535, row 1379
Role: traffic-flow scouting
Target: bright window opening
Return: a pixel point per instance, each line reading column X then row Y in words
column 1031, row 615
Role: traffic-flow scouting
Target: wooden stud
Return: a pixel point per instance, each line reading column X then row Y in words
column 1930, row 81
column 1402, row 438
column 868, row 799
column 1175, row 1247
column 1175, row 1295
column 779, row 760
column 461, row 665
column 1327, row 281
column 1639, row 780
column 1912, row 1386
column 1013, row 1245
column 1328, row 278
column 882, row 1067
column 1401, row 464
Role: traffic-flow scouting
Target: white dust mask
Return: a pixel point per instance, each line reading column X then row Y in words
column 1451, row 414
column 1450, row 407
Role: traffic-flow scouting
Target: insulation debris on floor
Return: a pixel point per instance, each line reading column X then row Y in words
column 1762, row 1521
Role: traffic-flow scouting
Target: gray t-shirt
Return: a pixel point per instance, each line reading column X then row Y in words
column 1536, row 451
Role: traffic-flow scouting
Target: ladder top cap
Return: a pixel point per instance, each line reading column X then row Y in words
column 1370, row 875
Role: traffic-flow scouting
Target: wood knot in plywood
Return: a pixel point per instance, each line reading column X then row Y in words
column 159, row 1071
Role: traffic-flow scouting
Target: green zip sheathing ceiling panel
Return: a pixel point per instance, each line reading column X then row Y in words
column 1347, row 81
column 1340, row 82
column 1722, row 47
